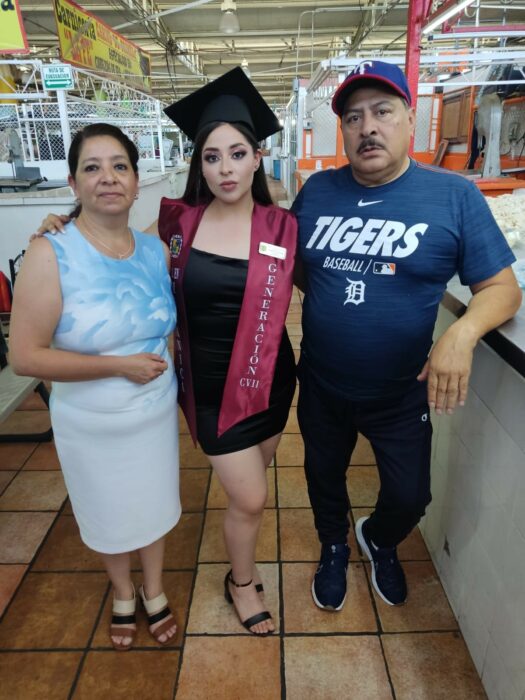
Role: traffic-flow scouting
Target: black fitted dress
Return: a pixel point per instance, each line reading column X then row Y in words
column 213, row 293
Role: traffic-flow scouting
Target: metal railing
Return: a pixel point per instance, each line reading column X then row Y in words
column 43, row 120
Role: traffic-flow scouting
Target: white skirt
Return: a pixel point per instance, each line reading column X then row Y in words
column 121, row 468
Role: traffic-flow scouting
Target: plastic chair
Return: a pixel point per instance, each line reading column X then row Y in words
column 14, row 267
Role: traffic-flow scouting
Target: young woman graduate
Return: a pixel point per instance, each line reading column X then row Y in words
column 232, row 259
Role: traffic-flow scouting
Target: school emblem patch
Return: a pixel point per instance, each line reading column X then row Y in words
column 175, row 245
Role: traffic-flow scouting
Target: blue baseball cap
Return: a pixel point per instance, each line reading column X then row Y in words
column 386, row 73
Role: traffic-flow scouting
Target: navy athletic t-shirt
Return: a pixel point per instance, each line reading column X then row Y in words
column 377, row 261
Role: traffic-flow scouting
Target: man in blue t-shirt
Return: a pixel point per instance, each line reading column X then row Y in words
column 379, row 239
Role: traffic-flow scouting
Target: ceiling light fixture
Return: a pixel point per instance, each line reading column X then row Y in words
column 229, row 23
column 445, row 12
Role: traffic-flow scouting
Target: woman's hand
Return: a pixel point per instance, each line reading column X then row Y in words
column 51, row 224
column 143, row 367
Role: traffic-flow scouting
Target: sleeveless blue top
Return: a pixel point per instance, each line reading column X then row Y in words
column 113, row 307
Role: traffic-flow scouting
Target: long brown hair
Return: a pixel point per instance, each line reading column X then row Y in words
column 197, row 190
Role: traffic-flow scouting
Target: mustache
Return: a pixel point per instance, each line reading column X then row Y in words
column 368, row 143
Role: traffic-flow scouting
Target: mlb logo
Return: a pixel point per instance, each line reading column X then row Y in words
column 175, row 273
column 384, row 268
column 175, row 245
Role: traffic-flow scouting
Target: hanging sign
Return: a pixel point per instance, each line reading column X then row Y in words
column 87, row 42
column 58, row 76
column 12, row 34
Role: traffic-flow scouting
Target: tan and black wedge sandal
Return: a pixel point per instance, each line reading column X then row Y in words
column 123, row 613
column 157, row 609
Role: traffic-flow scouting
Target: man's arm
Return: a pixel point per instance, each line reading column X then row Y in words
column 447, row 369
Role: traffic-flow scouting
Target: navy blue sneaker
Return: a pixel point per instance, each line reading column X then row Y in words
column 329, row 584
column 388, row 577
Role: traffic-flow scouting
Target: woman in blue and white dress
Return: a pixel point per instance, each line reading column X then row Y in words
column 93, row 311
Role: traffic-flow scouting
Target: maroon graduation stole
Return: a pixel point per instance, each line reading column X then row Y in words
column 263, row 312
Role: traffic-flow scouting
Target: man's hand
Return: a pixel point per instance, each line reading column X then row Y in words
column 447, row 369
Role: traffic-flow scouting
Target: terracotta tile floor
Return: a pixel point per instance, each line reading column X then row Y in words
column 56, row 600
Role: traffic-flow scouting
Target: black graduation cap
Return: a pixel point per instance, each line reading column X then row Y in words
column 230, row 98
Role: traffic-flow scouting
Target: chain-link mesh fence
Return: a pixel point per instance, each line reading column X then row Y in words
column 41, row 130
column 324, row 121
column 324, row 130
column 38, row 127
column 426, row 124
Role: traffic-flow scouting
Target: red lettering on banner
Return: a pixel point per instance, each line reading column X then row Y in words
column 104, row 34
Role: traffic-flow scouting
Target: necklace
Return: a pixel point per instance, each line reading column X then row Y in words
column 120, row 256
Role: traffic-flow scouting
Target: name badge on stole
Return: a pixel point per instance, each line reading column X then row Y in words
column 273, row 251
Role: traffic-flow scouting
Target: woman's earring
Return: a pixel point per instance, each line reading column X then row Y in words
column 136, row 196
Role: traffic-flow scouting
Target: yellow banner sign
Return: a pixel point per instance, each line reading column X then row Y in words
column 87, row 42
column 12, row 34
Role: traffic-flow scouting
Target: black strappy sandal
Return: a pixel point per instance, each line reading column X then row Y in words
column 254, row 619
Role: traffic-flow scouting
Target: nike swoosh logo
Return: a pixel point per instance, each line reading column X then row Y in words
column 367, row 204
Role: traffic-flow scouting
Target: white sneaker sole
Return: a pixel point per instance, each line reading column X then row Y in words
column 330, row 608
column 364, row 548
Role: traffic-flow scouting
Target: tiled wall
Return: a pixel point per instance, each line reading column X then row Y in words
column 475, row 525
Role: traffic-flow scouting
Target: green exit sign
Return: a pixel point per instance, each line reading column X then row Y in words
column 57, row 76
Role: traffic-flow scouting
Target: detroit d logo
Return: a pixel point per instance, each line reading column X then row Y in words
column 355, row 292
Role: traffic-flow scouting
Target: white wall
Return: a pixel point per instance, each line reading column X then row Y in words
column 478, row 515
column 58, row 170
column 21, row 214
column 51, row 169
